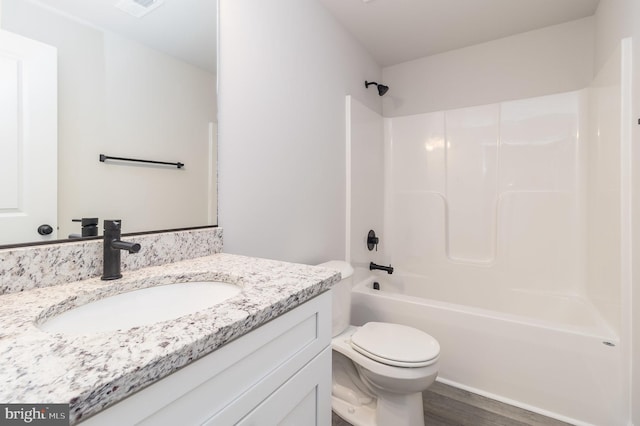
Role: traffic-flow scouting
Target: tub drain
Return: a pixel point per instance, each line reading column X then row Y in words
column 609, row 343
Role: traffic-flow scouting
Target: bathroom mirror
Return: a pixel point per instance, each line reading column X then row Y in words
column 135, row 79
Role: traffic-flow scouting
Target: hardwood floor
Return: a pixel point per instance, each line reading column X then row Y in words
column 448, row 406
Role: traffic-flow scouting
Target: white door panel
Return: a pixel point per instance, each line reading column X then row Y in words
column 28, row 139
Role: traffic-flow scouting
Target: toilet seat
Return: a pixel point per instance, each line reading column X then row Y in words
column 395, row 344
column 342, row 344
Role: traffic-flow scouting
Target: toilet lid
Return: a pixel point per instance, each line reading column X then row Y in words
column 395, row 344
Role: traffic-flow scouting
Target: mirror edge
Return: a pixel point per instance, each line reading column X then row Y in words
column 73, row 240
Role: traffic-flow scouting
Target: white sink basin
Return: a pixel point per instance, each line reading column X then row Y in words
column 141, row 307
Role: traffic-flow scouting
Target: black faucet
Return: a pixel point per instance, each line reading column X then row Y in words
column 112, row 247
column 388, row 269
column 89, row 227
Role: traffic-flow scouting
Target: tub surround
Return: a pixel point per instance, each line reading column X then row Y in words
column 46, row 265
column 93, row 371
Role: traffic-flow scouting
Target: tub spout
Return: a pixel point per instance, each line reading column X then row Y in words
column 388, row 269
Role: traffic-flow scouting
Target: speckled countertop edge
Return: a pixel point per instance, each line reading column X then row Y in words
column 93, row 371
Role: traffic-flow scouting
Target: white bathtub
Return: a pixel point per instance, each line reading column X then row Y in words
column 541, row 352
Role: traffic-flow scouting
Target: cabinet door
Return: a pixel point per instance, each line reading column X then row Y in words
column 304, row 399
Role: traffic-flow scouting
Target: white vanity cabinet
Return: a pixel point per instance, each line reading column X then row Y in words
column 277, row 374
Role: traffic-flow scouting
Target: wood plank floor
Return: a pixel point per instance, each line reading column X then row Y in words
column 448, row 406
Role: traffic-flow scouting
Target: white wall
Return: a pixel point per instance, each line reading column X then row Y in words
column 285, row 67
column 617, row 19
column 120, row 98
column 541, row 62
column 614, row 20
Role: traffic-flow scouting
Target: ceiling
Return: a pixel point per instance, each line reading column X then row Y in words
column 393, row 31
column 396, row 31
column 185, row 29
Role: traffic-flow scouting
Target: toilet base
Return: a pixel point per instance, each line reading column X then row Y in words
column 400, row 410
column 391, row 410
column 361, row 415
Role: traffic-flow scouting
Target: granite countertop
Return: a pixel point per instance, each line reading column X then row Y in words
column 93, row 371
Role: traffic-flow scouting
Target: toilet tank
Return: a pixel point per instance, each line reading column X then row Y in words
column 341, row 296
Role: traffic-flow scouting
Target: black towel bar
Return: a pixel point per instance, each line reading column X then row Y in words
column 103, row 158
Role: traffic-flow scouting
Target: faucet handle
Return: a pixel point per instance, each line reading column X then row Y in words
column 88, row 227
column 87, row 221
column 372, row 240
column 112, row 224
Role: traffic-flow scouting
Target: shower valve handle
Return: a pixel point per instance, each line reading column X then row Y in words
column 372, row 240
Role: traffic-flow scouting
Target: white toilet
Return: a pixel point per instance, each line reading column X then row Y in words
column 379, row 369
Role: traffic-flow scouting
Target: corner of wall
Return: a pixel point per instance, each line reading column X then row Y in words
column 282, row 167
column 549, row 60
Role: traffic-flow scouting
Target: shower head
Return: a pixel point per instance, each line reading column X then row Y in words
column 382, row 89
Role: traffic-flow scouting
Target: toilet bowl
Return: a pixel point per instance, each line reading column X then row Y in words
column 379, row 369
